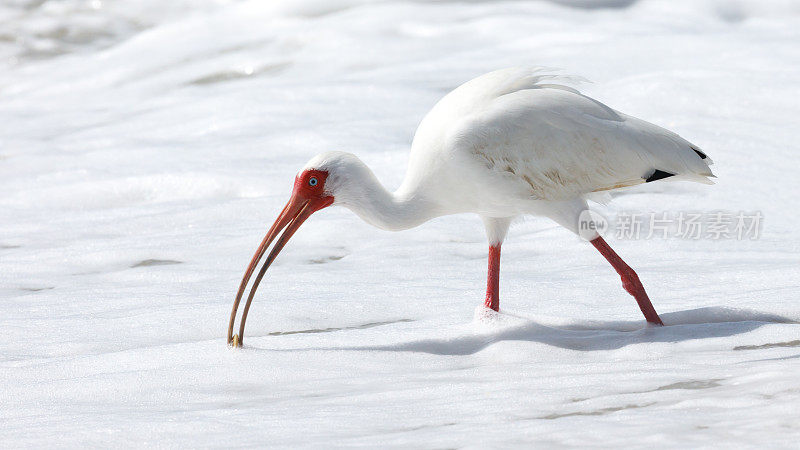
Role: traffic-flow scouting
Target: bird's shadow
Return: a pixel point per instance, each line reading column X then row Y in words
column 701, row 323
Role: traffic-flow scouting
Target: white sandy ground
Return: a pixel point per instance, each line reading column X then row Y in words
column 144, row 153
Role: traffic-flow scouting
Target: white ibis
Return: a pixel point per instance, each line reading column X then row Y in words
column 507, row 143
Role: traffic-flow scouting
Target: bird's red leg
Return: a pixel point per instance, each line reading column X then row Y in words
column 493, row 279
column 630, row 281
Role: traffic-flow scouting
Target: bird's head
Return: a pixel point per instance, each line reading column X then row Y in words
column 325, row 180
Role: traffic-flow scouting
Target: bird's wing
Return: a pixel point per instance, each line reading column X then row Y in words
column 553, row 143
column 476, row 94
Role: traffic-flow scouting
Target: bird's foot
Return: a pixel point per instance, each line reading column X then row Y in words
column 486, row 315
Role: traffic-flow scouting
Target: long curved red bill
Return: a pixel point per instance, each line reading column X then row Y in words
column 296, row 211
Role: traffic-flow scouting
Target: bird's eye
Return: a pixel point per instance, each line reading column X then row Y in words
column 312, row 181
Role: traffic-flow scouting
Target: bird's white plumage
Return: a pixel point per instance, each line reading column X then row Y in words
column 513, row 142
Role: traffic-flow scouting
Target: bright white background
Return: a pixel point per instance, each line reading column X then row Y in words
column 145, row 149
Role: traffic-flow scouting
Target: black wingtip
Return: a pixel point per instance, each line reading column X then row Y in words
column 658, row 175
column 699, row 153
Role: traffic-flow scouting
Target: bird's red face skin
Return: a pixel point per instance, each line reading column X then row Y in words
column 310, row 184
column 308, row 197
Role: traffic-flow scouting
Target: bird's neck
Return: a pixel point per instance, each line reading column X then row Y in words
column 393, row 211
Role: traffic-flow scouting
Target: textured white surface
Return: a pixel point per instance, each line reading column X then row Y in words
column 139, row 170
